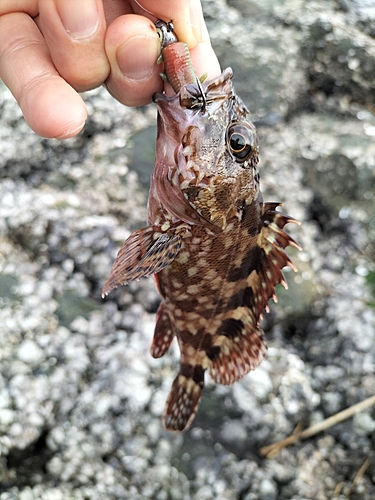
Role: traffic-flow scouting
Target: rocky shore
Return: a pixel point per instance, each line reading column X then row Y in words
column 80, row 396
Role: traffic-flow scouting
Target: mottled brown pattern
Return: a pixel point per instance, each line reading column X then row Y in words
column 217, row 250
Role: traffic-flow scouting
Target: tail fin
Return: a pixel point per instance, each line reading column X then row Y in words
column 184, row 398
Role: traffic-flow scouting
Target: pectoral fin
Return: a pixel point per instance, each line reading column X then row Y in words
column 146, row 251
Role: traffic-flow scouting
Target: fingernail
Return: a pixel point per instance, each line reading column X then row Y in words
column 137, row 57
column 71, row 132
column 196, row 19
column 80, row 18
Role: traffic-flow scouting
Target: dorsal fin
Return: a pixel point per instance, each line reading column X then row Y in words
column 147, row 251
column 266, row 270
column 273, row 240
column 238, row 345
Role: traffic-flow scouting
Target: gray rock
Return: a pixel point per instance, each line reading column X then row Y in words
column 80, row 396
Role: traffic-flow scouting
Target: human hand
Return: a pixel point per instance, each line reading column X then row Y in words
column 52, row 49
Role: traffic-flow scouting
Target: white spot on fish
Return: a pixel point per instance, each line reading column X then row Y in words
column 192, row 289
column 192, row 271
column 183, row 257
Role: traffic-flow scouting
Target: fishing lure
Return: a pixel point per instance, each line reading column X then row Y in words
column 215, row 248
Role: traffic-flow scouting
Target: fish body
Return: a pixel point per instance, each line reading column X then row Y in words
column 215, row 248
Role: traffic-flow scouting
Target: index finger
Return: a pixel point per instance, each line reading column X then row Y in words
column 28, row 6
column 50, row 106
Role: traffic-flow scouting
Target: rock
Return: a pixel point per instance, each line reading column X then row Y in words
column 29, row 352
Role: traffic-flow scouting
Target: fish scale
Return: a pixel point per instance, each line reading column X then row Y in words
column 215, row 248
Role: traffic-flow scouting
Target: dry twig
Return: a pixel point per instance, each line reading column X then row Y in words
column 272, row 450
column 360, row 474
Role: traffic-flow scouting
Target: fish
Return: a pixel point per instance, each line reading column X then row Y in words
column 214, row 247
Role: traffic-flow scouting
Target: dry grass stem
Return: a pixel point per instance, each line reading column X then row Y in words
column 360, row 473
column 272, row 449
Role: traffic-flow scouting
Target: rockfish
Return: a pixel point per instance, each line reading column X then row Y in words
column 215, row 248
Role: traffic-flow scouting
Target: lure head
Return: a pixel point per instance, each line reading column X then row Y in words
column 206, row 156
column 166, row 33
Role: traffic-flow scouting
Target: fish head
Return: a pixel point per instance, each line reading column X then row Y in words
column 207, row 153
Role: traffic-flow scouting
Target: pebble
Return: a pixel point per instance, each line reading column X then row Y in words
column 29, row 352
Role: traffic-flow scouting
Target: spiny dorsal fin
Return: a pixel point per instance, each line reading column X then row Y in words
column 272, row 240
column 238, row 345
column 147, row 251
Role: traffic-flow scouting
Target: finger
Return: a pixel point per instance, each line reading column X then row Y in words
column 74, row 32
column 10, row 6
column 203, row 56
column 205, row 61
column 133, row 47
column 50, row 106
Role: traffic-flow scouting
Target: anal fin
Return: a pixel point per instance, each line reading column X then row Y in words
column 147, row 251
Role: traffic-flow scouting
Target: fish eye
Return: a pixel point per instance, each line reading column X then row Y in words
column 241, row 141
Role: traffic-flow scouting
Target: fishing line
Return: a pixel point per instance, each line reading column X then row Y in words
column 158, row 17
